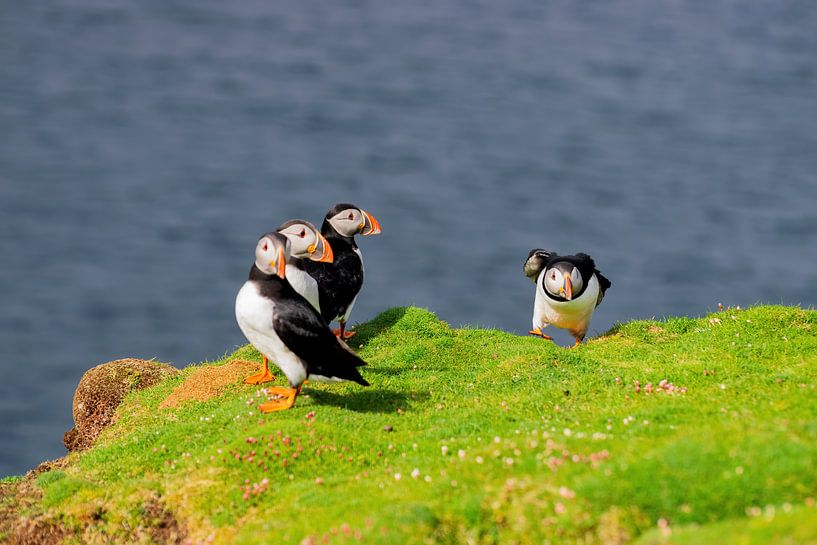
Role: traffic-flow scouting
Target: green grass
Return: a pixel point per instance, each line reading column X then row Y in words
column 495, row 438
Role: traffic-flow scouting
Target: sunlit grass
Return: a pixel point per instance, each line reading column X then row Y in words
column 480, row 436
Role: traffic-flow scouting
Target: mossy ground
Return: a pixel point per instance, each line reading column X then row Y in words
column 494, row 438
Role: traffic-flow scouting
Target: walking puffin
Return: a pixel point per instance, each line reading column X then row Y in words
column 284, row 327
column 568, row 290
column 305, row 240
column 340, row 281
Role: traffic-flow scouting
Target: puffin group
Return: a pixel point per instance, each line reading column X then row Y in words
column 300, row 281
column 303, row 279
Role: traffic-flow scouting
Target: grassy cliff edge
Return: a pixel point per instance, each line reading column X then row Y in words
column 679, row 431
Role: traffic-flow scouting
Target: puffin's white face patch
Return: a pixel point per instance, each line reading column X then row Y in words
column 554, row 281
column 266, row 254
column 576, row 280
column 301, row 238
column 347, row 222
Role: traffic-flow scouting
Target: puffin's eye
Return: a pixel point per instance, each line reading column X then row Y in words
column 351, row 216
column 265, row 247
column 303, row 233
column 553, row 275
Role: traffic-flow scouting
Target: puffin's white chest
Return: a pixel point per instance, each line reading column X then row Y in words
column 345, row 316
column 573, row 315
column 304, row 284
column 254, row 315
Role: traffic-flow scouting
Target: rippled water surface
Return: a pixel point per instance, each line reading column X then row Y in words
column 144, row 147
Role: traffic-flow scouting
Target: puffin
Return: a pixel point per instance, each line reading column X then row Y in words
column 282, row 325
column 340, row 281
column 305, row 240
column 568, row 290
column 304, row 243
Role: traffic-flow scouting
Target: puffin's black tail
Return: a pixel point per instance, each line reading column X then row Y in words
column 346, row 369
column 355, row 376
column 348, row 363
column 341, row 363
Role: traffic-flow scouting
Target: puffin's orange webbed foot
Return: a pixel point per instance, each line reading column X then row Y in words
column 285, row 400
column 343, row 335
column 262, row 377
column 538, row 333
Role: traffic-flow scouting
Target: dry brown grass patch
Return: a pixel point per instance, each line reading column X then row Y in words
column 209, row 382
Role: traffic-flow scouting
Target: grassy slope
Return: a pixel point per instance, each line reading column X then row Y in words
column 496, row 439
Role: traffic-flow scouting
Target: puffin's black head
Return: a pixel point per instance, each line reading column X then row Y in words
column 563, row 279
column 305, row 241
column 349, row 220
column 535, row 263
column 271, row 254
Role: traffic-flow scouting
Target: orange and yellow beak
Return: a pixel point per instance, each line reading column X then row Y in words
column 280, row 264
column 321, row 251
column 370, row 225
column 567, row 290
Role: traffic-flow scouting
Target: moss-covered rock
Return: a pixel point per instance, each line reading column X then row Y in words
column 101, row 390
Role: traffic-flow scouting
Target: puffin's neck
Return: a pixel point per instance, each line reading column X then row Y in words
column 330, row 233
column 271, row 285
column 259, row 275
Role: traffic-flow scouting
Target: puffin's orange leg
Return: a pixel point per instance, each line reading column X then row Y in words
column 538, row 333
column 285, row 401
column 578, row 342
column 341, row 332
column 262, row 377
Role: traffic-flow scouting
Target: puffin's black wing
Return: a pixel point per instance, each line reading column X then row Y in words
column 541, row 252
column 304, row 332
column 587, row 268
column 536, row 262
column 585, row 264
column 338, row 282
column 582, row 260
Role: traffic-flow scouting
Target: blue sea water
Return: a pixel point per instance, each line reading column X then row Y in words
column 145, row 146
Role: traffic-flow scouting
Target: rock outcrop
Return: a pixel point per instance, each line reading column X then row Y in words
column 101, row 390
